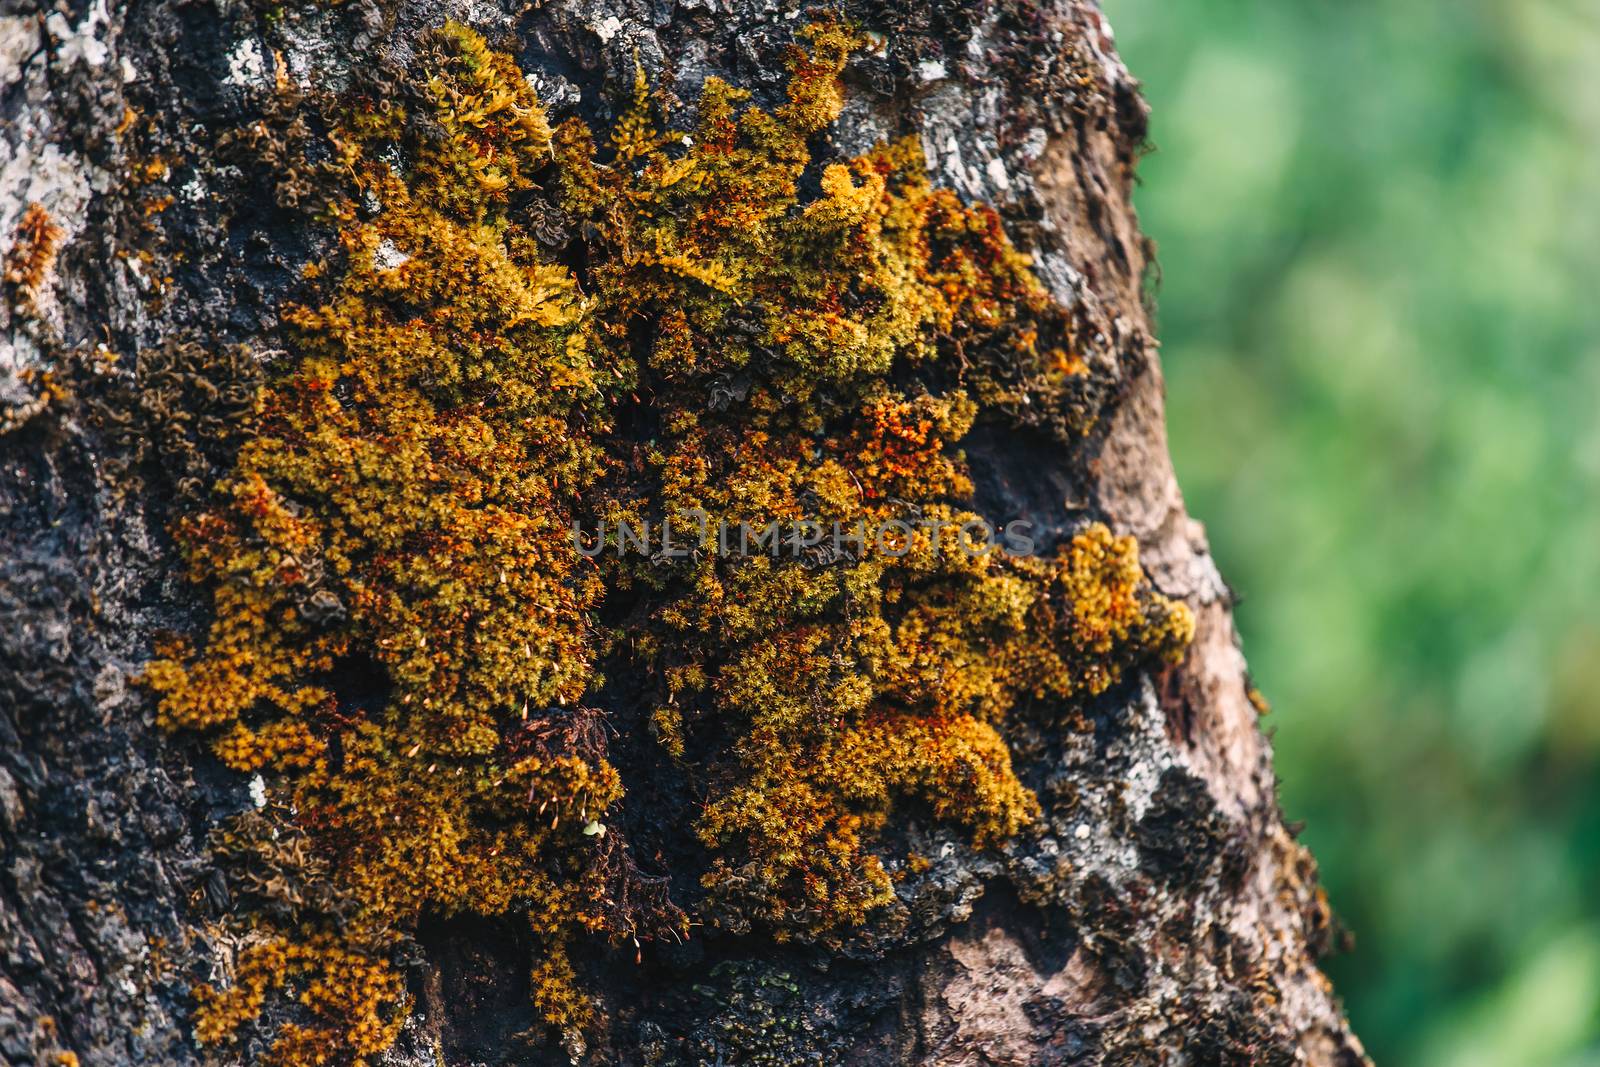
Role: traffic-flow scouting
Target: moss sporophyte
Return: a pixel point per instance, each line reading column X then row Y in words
column 406, row 646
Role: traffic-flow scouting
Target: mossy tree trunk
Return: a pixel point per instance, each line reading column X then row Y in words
column 1157, row 910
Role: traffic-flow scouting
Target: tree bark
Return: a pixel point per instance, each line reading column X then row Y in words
column 1161, row 912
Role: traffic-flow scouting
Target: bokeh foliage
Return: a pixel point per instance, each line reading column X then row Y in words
column 1379, row 230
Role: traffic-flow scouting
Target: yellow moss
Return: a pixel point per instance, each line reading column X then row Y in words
column 404, row 639
column 357, row 1003
column 835, row 690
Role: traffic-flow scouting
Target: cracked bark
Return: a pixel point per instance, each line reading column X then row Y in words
column 1162, row 913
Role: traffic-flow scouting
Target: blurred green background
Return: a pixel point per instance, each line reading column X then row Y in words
column 1379, row 232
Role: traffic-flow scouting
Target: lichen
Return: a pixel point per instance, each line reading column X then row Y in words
column 406, row 642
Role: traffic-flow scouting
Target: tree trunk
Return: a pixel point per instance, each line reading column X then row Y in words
column 1158, row 910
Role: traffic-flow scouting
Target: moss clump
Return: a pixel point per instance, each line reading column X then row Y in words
column 399, row 514
column 405, row 639
column 32, row 251
column 823, row 693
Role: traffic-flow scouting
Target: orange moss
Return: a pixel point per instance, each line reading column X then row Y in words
column 345, row 992
column 831, row 691
column 402, row 503
column 404, row 640
column 33, row 249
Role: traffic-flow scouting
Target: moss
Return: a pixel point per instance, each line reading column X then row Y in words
column 406, row 644
column 33, row 250
column 23, row 270
column 758, row 1016
column 401, row 501
column 182, row 416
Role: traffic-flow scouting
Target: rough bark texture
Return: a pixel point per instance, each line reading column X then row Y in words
column 1162, row 913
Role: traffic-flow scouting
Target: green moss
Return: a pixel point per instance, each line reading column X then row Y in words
column 456, row 400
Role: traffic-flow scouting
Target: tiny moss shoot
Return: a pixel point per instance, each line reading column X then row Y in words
column 526, row 327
